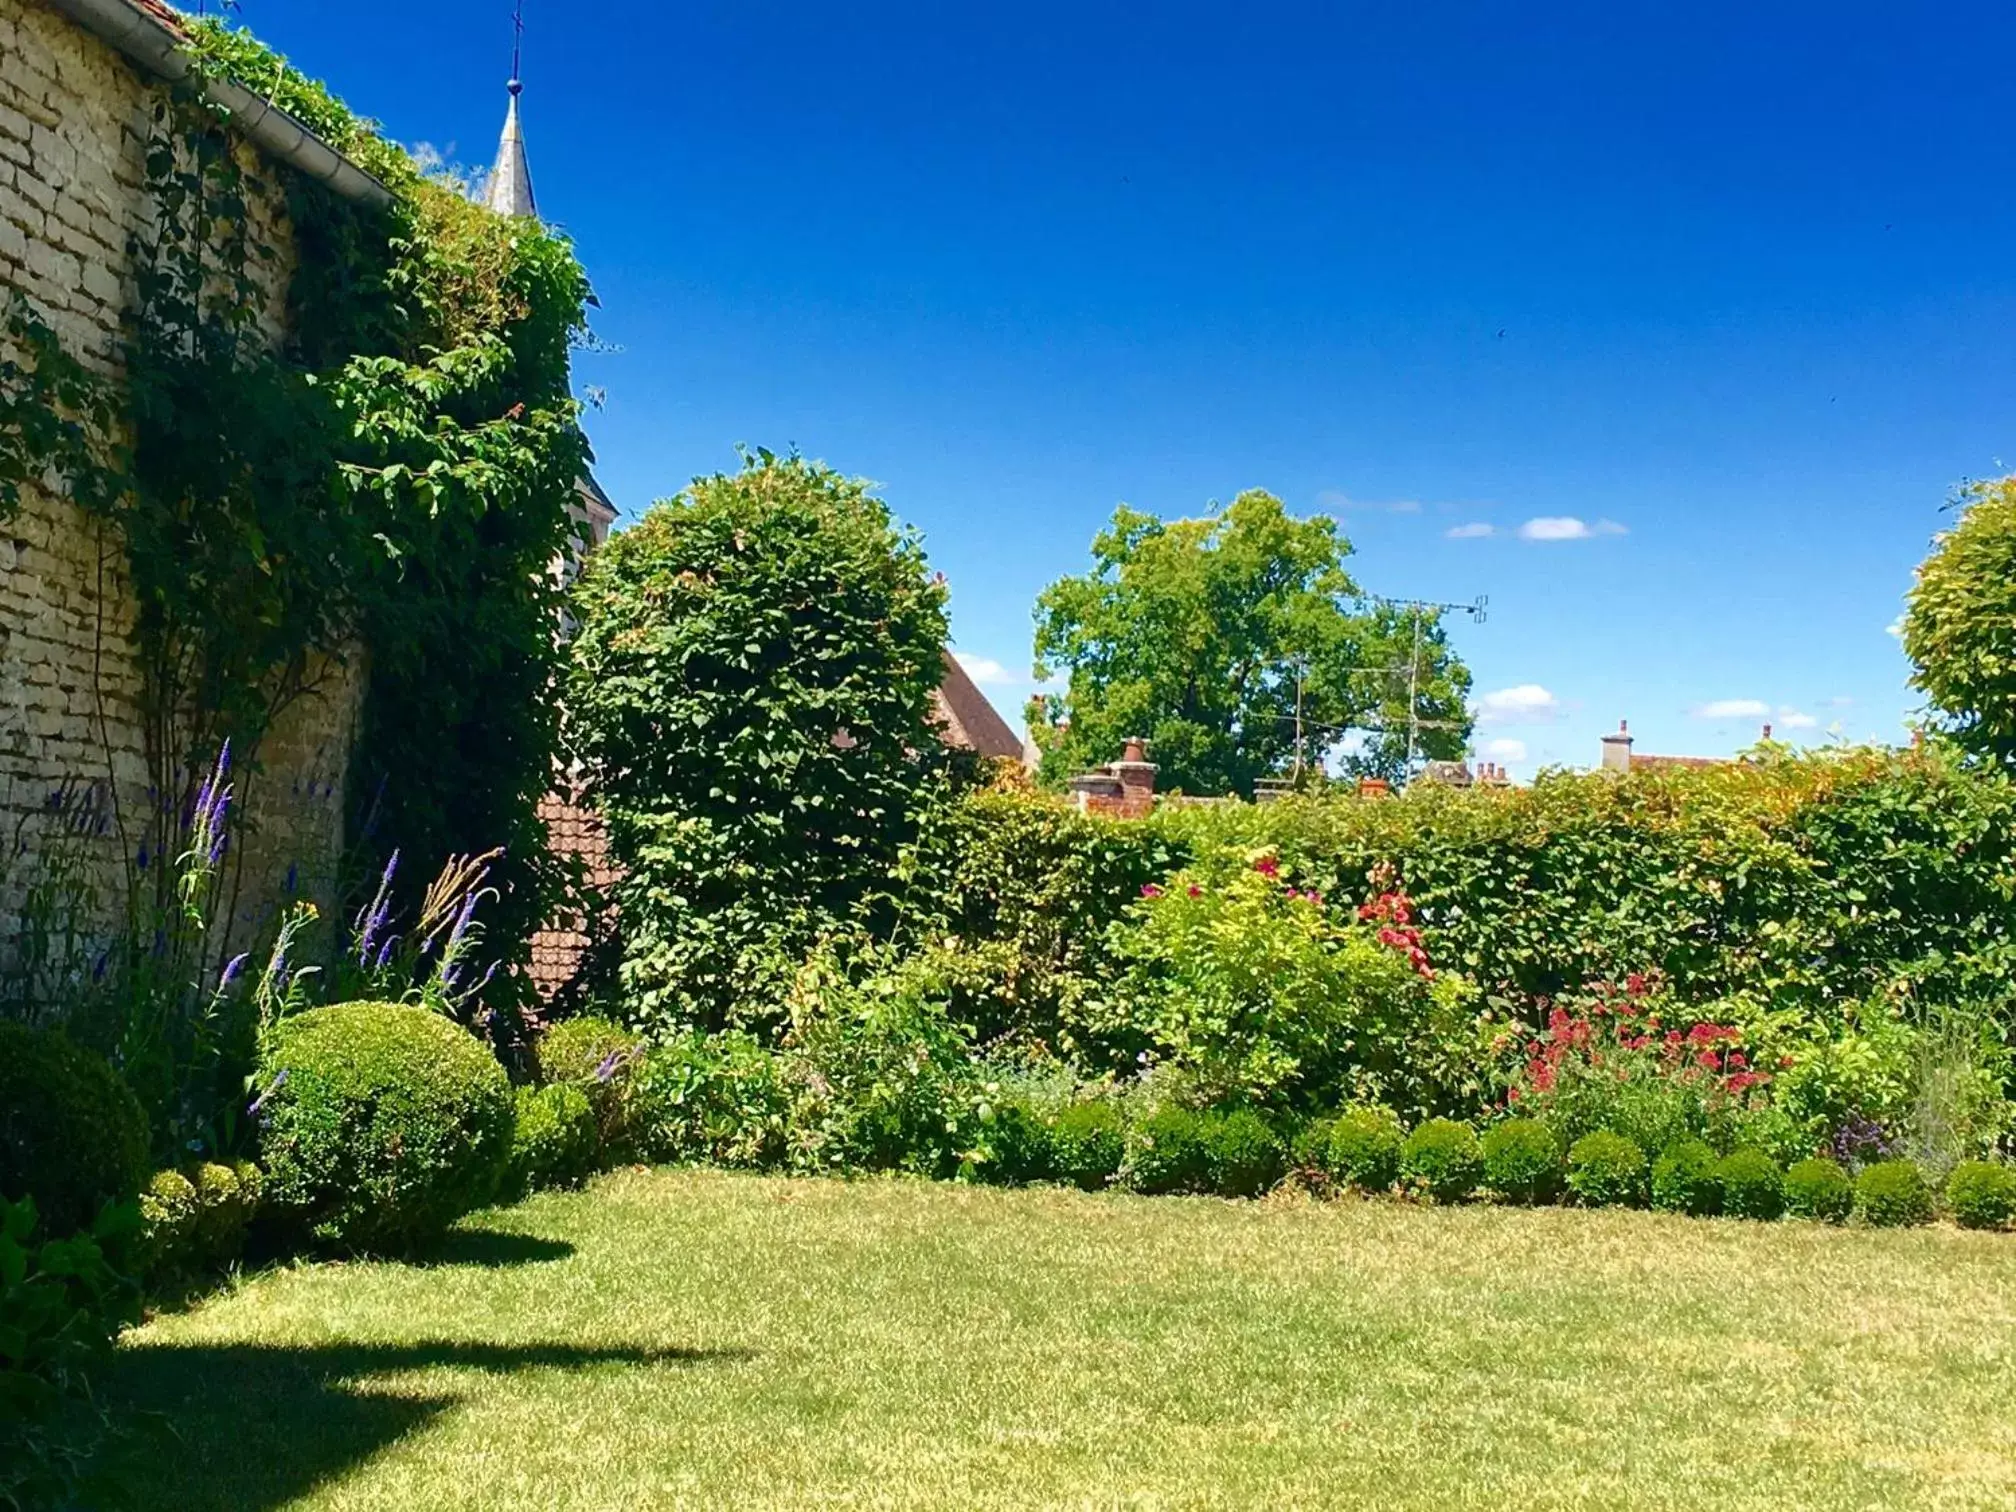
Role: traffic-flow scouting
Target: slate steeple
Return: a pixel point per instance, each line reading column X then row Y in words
column 510, row 189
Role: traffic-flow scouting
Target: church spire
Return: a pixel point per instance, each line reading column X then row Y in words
column 510, row 191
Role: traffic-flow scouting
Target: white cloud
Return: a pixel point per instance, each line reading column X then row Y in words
column 1895, row 627
column 1734, row 708
column 1529, row 703
column 986, row 671
column 1567, row 528
column 1840, row 701
column 1475, row 531
column 1505, row 748
column 1795, row 719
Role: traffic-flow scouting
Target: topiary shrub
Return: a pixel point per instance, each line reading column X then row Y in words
column 1684, row 1179
column 1170, row 1151
column 1309, row 1150
column 1893, row 1194
column 1442, row 1160
column 1018, row 1144
column 1752, row 1185
column 1364, row 1149
column 1522, row 1160
column 554, row 1139
column 72, row 1136
column 1818, row 1189
column 602, row 1058
column 1607, row 1170
column 1981, row 1194
column 224, row 1213
column 1088, row 1142
column 382, row 1124
column 168, row 1217
column 1246, row 1156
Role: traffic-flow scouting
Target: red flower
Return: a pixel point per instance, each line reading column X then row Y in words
column 1150, row 890
column 1196, row 891
column 1267, row 866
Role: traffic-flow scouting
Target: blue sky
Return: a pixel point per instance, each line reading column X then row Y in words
column 1728, row 285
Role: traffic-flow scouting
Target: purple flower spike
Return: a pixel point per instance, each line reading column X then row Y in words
column 391, row 866
column 232, row 970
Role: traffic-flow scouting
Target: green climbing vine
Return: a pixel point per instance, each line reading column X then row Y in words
column 367, row 451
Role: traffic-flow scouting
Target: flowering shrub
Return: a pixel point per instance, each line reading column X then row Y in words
column 1255, row 987
column 1625, row 1060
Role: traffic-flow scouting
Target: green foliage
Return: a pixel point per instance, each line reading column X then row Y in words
column 194, row 1221
column 1685, row 1179
column 1198, row 633
column 601, row 1058
column 1169, row 1150
column 57, row 420
column 1893, row 1194
column 1246, row 1156
column 1752, row 1185
column 1818, row 1189
column 63, row 1302
column 1960, row 628
column 72, row 1137
column 1015, row 1137
column 383, row 1124
column 1251, row 987
column 1981, row 1194
column 554, row 1140
column 750, row 692
column 1522, row 1160
column 1088, row 1143
column 1363, row 1149
column 1442, row 1160
column 1607, row 1170
column 720, row 1098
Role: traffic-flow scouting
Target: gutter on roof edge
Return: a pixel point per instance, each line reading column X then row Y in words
column 156, row 48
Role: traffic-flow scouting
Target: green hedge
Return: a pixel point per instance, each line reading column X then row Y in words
column 72, row 1136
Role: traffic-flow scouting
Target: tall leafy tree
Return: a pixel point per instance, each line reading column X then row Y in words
column 750, row 697
column 1206, row 635
column 1960, row 627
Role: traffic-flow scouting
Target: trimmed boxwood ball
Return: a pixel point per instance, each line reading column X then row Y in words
column 1246, row 1156
column 72, row 1134
column 1442, row 1160
column 169, row 1214
column 1818, row 1189
column 383, row 1124
column 1018, row 1144
column 600, row 1057
column 554, row 1141
column 1981, row 1194
column 1893, row 1194
column 1364, row 1149
column 1170, row 1151
column 1088, row 1141
column 1522, row 1160
column 1752, row 1185
column 1684, row 1179
column 1607, row 1170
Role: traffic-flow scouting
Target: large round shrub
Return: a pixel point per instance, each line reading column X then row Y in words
column 382, row 1125
column 1088, row 1141
column 1364, row 1149
column 1981, row 1194
column 1684, row 1179
column 1752, row 1185
column 1246, row 1156
column 72, row 1135
column 1442, row 1160
column 1893, row 1194
column 1818, row 1189
column 602, row 1059
column 1018, row 1142
column 554, row 1141
column 1170, row 1152
column 1522, row 1160
column 1607, row 1170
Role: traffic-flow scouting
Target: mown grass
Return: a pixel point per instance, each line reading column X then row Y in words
column 697, row 1339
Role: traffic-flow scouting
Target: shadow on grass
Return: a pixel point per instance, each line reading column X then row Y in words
column 250, row 1428
column 492, row 1249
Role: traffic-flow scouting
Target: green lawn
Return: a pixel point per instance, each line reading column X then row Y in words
column 695, row 1339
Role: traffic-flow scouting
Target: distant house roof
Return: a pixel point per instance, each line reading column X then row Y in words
column 968, row 720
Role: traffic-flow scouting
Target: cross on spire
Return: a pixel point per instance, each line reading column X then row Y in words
column 510, row 191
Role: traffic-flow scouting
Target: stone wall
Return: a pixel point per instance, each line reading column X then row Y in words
column 74, row 120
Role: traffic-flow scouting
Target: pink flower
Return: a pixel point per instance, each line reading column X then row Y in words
column 1150, row 890
column 1267, row 866
column 1196, row 891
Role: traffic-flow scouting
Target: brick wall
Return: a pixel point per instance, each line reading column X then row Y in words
column 74, row 118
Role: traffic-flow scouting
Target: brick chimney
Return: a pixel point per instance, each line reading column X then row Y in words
column 1137, row 779
column 1617, row 749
